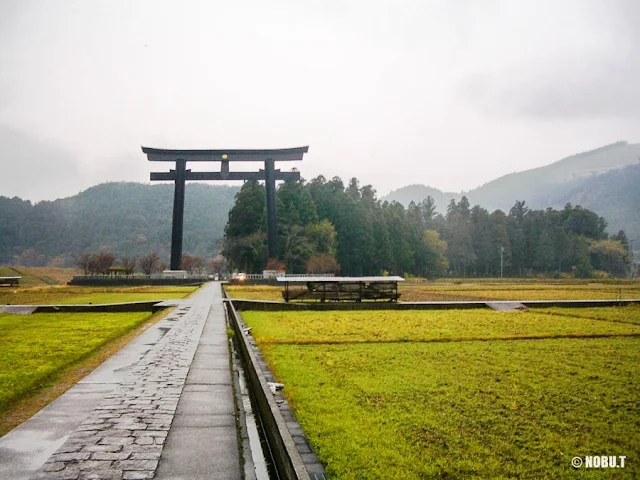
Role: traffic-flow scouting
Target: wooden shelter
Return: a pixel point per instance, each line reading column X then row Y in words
column 337, row 289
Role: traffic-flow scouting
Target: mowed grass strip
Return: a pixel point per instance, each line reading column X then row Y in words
column 624, row 314
column 39, row 275
column 84, row 295
column 37, row 347
column 528, row 291
column 255, row 292
column 424, row 326
column 465, row 410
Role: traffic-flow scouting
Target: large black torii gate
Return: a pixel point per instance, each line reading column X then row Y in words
column 181, row 174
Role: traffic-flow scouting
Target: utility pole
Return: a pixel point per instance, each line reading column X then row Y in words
column 633, row 265
column 501, row 252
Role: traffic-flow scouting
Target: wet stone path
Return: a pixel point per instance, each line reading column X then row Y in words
column 123, row 438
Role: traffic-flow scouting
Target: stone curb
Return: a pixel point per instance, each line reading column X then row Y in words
column 294, row 459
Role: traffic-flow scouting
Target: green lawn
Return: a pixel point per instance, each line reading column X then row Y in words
column 95, row 295
column 32, row 276
column 474, row 291
column 378, row 398
column 430, row 325
column 470, row 409
column 37, row 347
column 627, row 314
column 255, row 292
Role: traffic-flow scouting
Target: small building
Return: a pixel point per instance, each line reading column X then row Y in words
column 338, row 289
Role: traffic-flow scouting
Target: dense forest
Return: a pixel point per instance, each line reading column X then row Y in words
column 325, row 226
column 126, row 219
column 614, row 194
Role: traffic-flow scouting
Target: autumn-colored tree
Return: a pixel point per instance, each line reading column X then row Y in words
column 150, row 263
column 82, row 262
column 193, row 264
column 101, row 263
column 275, row 264
column 218, row 265
column 128, row 265
column 322, row 263
column 609, row 256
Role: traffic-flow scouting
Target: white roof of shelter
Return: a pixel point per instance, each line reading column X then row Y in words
column 312, row 278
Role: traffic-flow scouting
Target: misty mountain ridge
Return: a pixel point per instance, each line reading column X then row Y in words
column 605, row 180
column 135, row 219
column 125, row 218
column 540, row 182
column 418, row 192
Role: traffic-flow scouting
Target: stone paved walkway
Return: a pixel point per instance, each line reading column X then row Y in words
column 203, row 440
column 124, row 437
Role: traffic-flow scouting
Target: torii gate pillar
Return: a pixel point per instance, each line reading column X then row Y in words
column 272, row 221
column 181, row 174
column 177, row 225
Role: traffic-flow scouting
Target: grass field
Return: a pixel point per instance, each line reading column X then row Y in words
column 436, row 325
column 628, row 314
column 77, row 295
column 255, row 292
column 36, row 347
column 475, row 291
column 39, row 275
column 44, row 354
column 518, row 291
column 469, row 409
column 380, row 395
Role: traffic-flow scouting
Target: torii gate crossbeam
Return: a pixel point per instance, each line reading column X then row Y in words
column 181, row 175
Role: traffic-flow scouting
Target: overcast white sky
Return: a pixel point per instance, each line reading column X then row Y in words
column 450, row 94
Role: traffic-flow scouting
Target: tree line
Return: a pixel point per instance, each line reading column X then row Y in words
column 107, row 263
column 123, row 218
column 327, row 226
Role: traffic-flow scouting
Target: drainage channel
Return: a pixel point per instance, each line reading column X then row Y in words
column 286, row 453
column 258, row 461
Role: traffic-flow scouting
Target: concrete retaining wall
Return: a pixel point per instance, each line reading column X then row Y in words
column 116, row 281
column 148, row 306
column 288, row 461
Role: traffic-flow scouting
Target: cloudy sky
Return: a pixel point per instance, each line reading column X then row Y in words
column 451, row 94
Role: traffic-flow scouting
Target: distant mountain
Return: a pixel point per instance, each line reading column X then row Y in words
column 542, row 182
column 605, row 180
column 124, row 218
column 614, row 195
column 418, row 193
column 135, row 219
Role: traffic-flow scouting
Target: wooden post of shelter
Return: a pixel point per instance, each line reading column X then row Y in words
column 181, row 175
